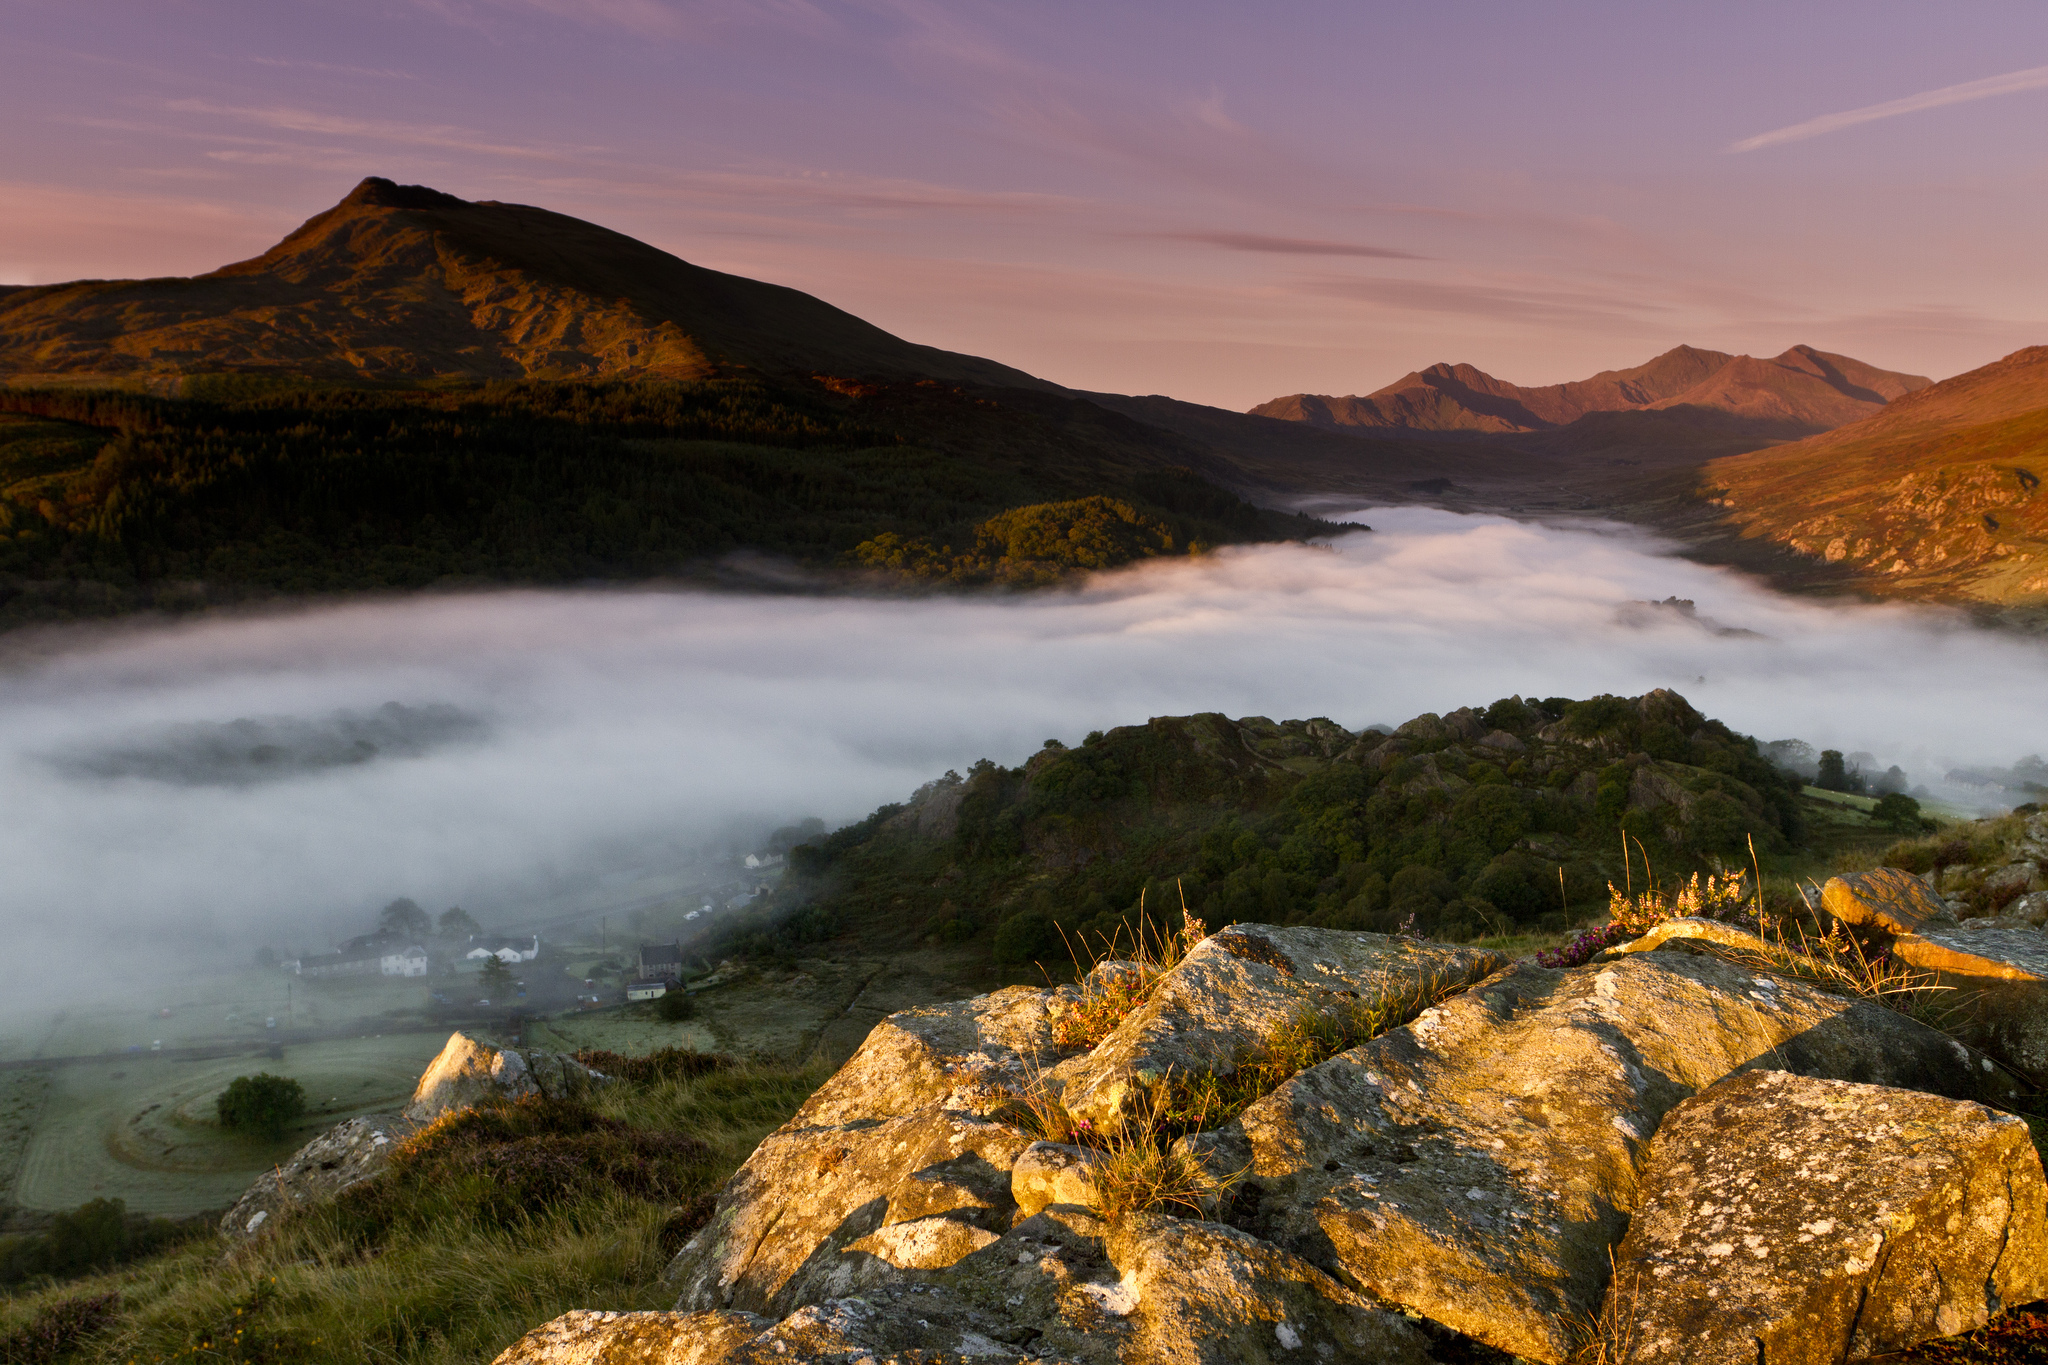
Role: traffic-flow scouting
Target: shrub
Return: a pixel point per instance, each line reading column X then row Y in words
column 58, row 1329
column 1025, row 937
column 500, row 1164
column 262, row 1104
column 1898, row 811
column 675, row 1006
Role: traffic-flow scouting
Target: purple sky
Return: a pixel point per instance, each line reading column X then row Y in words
column 1219, row 202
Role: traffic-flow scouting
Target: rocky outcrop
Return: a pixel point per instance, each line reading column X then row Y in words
column 1238, row 987
column 1062, row 1285
column 1888, row 900
column 819, row 1213
column 1476, row 1165
column 967, row 1056
column 346, row 1154
column 1996, row 968
column 1784, row 1218
column 467, row 1073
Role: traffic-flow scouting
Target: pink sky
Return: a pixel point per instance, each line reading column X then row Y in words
column 1219, row 202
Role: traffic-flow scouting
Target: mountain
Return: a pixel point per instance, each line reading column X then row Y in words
column 1799, row 392
column 401, row 283
column 413, row 390
column 1938, row 495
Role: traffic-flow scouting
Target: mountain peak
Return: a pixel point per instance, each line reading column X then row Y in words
column 377, row 192
column 448, row 289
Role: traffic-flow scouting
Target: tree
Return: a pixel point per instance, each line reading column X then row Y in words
column 263, row 1104
column 1898, row 811
column 675, row 1005
column 457, row 924
column 1834, row 774
column 403, row 918
column 497, row 978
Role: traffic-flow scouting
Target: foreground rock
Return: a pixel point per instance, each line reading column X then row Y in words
column 1784, row 1218
column 468, row 1073
column 969, row 1056
column 1062, row 1285
column 1997, row 969
column 345, row 1155
column 1241, row 985
column 1476, row 1165
column 819, row 1213
column 1887, row 899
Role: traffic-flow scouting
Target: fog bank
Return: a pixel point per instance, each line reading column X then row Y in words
column 174, row 788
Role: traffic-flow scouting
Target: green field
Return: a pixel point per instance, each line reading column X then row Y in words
column 110, row 1116
column 142, row 1130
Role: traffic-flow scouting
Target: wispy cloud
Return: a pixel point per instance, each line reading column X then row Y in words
column 1284, row 246
column 445, row 136
column 1549, row 305
column 2011, row 83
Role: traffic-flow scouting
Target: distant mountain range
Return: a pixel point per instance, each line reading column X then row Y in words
column 1797, row 393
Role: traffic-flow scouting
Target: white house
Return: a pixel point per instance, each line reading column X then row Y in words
column 646, row 990
column 407, row 961
column 764, row 860
column 507, row 950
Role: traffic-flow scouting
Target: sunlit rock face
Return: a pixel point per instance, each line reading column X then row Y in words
column 1788, row 1218
column 1477, row 1168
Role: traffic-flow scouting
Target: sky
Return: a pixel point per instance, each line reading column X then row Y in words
column 604, row 729
column 1220, row 202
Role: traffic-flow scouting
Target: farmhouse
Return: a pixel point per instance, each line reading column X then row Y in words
column 661, row 960
column 507, row 950
column 407, row 961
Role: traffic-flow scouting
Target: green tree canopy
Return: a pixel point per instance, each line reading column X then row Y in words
column 262, row 1104
column 456, row 923
column 404, row 918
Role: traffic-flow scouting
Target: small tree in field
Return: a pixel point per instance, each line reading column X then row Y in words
column 262, row 1104
column 1899, row 811
column 497, row 979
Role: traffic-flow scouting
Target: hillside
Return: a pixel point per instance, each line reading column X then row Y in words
column 1937, row 496
column 1793, row 394
column 412, row 390
column 401, row 283
column 1482, row 822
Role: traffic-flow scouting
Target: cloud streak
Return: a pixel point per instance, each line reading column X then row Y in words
column 1285, row 246
column 2011, row 83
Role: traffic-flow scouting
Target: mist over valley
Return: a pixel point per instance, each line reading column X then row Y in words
column 184, row 794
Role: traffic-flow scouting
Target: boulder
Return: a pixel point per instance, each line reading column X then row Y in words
column 1052, row 1173
column 2030, row 909
column 1999, row 972
column 1786, row 1218
column 969, row 1055
column 467, row 1073
column 1476, row 1165
column 1238, row 986
column 1886, row 899
column 1061, row 1285
column 1692, row 929
column 346, row 1154
column 1204, row 1292
column 819, row 1213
